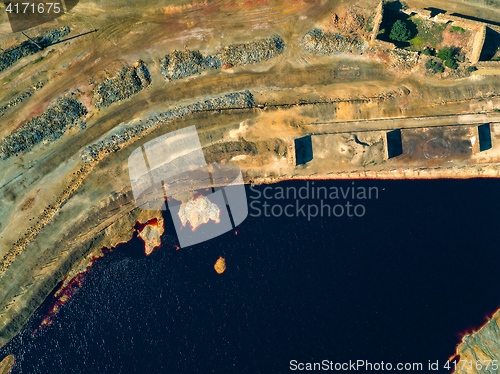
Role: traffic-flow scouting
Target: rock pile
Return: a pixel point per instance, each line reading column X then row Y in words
column 143, row 72
column 403, row 60
column 127, row 82
column 251, row 53
column 235, row 100
column 26, row 48
column 178, row 65
column 20, row 98
column 49, row 126
column 320, row 43
column 353, row 21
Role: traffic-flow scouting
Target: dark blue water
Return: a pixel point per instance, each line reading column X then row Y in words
column 397, row 285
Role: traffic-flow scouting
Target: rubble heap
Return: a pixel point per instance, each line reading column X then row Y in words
column 49, row 126
column 179, row 65
column 235, row 100
column 250, row 53
column 403, row 60
column 26, row 48
column 20, row 98
column 142, row 72
column 127, row 82
column 353, row 21
column 320, row 43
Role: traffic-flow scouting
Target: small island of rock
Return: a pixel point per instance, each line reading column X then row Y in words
column 220, row 265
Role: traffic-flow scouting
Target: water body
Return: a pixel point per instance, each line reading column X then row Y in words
column 398, row 285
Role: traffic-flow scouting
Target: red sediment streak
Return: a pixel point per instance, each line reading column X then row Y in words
column 66, row 289
column 62, row 295
column 141, row 226
column 69, row 286
column 37, row 111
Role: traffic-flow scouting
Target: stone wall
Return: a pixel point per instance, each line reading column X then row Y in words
column 478, row 45
column 488, row 65
column 384, row 45
column 479, row 29
column 419, row 13
column 377, row 21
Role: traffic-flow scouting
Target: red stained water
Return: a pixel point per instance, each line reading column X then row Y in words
column 62, row 295
column 68, row 287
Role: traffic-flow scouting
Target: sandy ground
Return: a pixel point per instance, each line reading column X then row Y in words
column 6, row 364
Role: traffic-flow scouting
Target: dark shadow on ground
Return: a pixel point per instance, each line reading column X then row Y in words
column 491, row 45
column 23, row 17
column 303, row 150
column 394, row 143
column 435, row 11
column 484, row 132
column 394, row 5
column 391, row 15
column 475, row 19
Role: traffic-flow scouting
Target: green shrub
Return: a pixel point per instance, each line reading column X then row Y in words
column 400, row 31
column 451, row 63
column 445, row 54
column 457, row 29
column 434, row 66
column 417, row 42
column 427, row 52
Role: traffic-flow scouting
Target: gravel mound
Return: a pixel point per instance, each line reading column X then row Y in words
column 251, row 53
column 143, row 73
column 320, row 43
column 403, row 60
column 239, row 100
column 179, row 65
column 127, row 82
column 26, row 48
column 49, row 126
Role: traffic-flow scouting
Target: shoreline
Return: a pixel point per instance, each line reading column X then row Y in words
column 462, row 172
column 125, row 234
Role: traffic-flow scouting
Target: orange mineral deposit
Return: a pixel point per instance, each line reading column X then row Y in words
column 220, row 265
